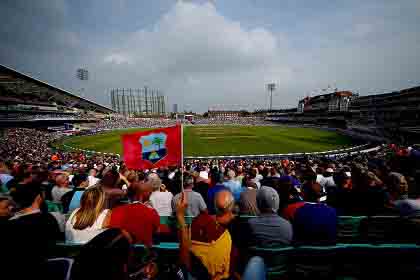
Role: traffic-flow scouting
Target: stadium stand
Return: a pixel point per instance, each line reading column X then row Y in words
column 24, row 99
column 352, row 216
column 374, row 195
column 381, row 117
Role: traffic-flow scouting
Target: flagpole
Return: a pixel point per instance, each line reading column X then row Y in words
column 182, row 157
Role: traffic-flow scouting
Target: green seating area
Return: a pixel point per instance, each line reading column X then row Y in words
column 374, row 229
column 349, row 261
column 54, row 206
column 348, row 228
column 171, row 220
column 365, row 249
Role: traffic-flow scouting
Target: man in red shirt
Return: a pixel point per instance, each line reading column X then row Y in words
column 138, row 218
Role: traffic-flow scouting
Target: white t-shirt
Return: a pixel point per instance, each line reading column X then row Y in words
column 84, row 235
column 327, row 182
column 161, row 201
column 92, row 180
column 319, row 178
column 58, row 192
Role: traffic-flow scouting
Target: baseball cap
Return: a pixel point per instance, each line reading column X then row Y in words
column 268, row 198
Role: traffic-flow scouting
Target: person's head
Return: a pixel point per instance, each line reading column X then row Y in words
column 93, row 172
column 239, row 170
column 91, row 205
column 4, row 169
column 188, row 181
column 106, row 256
column 397, row 186
column 28, row 196
column 287, row 192
column 343, row 180
column 309, row 176
column 274, row 171
column 252, row 185
column 41, row 176
column 163, row 188
column 289, row 169
column 154, row 181
column 224, row 204
column 140, row 191
column 268, row 200
column 320, row 170
column 62, row 180
column 372, row 180
column 80, row 181
column 26, row 177
column 110, row 179
column 312, row 192
column 329, row 172
column 6, row 207
column 253, row 173
column 132, row 176
column 231, row 174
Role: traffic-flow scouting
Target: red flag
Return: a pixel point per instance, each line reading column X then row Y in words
column 152, row 148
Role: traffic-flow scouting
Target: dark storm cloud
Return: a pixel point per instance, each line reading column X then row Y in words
column 204, row 55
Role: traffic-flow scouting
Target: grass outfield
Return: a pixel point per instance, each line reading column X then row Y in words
column 230, row 140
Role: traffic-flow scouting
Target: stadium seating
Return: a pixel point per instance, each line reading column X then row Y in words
column 277, row 260
column 387, row 229
column 350, row 259
column 54, row 206
column 311, row 262
column 348, row 230
column 59, row 268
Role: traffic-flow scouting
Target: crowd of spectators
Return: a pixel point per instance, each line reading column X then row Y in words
column 232, row 121
column 50, row 195
column 117, row 123
column 47, row 116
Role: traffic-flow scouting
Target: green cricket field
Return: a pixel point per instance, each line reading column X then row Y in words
column 228, row 140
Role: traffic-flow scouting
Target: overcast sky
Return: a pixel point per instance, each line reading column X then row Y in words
column 215, row 54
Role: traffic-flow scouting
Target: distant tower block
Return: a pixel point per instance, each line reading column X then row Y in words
column 83, row 75
column 175, row 108
column 138, row 102
column 271, row 87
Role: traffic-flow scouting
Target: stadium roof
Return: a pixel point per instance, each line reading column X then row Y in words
column 343, row 93
column 25, row 86
column 400, row 93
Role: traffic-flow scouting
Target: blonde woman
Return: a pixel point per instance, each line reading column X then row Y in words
column 90, row 219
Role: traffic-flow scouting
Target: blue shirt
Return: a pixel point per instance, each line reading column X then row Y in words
column 5, row 178
column 234, row 187
column 295, row 182
column 315, row 223
column 75, row 201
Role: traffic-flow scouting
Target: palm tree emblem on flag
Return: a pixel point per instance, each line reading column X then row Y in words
column 153, row 147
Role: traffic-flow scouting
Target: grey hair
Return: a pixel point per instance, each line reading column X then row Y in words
column 155, row 181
